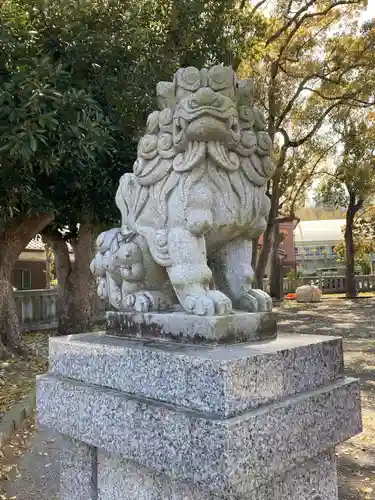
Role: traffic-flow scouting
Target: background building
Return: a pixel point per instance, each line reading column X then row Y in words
column 30, row 271
column 314, row 243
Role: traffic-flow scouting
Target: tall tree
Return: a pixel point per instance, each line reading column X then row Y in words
column 116, row 51
column 47, row 126
column 307, row 71
column 353, row 181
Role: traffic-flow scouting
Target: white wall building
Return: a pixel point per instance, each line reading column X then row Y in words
column 314, row 243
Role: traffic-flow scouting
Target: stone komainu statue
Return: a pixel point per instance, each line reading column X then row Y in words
column 194, row 203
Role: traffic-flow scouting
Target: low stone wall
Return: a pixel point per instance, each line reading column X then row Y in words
column 328, row 284
column 36, row 309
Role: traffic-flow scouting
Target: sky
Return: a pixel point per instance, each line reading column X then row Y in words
column 370, row 12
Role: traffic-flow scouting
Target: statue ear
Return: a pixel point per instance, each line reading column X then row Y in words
column 245, row 92
column 166, row 96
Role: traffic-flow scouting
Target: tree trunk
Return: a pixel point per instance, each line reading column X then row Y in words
column 267, row 242
column 272, row 216
column 76, row 285
column 254, row 256
column 275, row 272
column 48, row 266
column 14, row 238
column 351, row 284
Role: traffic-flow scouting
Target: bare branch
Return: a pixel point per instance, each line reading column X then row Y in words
column 285, row 45
column 311, row 173
column 279, row 32
column 344, row 97
column 311, row 15
column 315, row 128
column 290, row 104
column 285, row 135
column 255, row 8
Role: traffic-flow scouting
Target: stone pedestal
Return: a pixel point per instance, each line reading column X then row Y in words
column 161, row 420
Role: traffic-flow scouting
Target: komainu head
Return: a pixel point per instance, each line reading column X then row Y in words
column 205, row 113
column 205, row 106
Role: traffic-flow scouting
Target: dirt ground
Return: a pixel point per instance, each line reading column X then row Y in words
column 355, row 322
column 17, row 374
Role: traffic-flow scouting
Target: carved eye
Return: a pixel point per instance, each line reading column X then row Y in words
column 189, row 79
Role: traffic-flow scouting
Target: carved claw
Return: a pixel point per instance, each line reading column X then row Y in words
column 223, row 304
column 214, row 302
column 200, row 305
column 143, row 302
column 137, row 302
column 255, row 300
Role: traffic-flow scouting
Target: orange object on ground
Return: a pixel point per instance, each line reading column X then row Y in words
column 290, row 296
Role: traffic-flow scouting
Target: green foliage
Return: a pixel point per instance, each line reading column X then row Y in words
column 77, row 81
column 318, row 213
column 362, row 257
column 365, row 223
column 294, row 275
column 352, row 181
column 331, row 194
column 46, row 124
column 364, row 240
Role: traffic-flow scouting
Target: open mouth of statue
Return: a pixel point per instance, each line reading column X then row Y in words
column 206, row 125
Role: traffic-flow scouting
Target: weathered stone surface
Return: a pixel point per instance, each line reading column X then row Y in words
column 78, row 470
column 221, row 380
column 308, row 293
column 194, row 204
column 119, row 479
column 182, row 327
column 227, row 456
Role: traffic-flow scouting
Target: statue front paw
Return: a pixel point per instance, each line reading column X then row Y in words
column 143, row 302
column 255, row 300
column 210, row 304
column 136, row 302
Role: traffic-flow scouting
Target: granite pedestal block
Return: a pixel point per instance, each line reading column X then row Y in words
column 180, row 327
column 158, row 420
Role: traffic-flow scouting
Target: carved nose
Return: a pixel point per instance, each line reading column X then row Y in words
column 205, row 96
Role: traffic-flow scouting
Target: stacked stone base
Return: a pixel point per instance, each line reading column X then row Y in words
column 93, row 474
column 158, row 421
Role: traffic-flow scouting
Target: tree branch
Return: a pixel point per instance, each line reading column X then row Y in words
column 280, row 31
column 285, row 135
column 290, row 104
column 255, row 8
column 311, row 15
column 315, row 128
column 311, row 173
